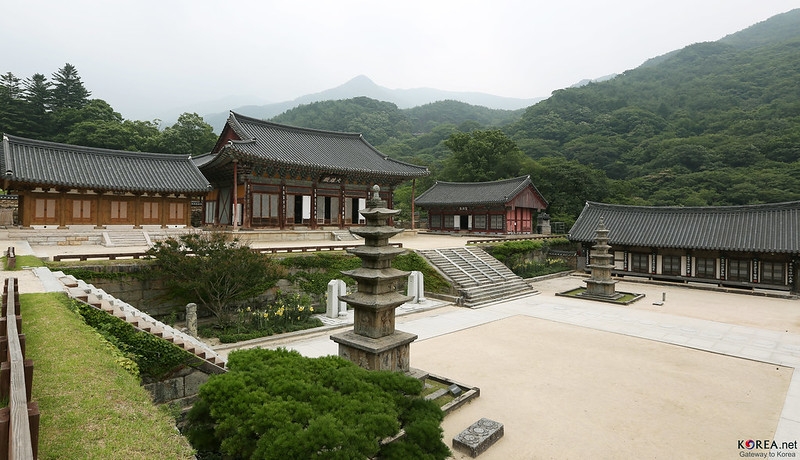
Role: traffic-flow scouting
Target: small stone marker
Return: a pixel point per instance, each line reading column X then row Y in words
column 335, row 307
column 454, row 390
column 191, row 318
column 478, row 437
column 416, row 286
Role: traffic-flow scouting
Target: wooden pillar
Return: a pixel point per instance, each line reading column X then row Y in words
column 99, row 218
column 413, row 197
column 137, row 211
column 313, row 205
column 282, row 206
column 187, row 212
column 234, row 212
column 62, row 209
column 342, row 206
column 247, row 209
column 163, row 211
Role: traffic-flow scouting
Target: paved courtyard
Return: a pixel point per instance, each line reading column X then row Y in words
column 572, row 378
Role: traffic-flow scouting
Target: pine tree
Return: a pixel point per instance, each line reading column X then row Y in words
column 38, row 105
column 69, row 92
column 11, row 105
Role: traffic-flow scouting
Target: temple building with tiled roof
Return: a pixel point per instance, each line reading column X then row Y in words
column 506, row 206
column 748, row 246
column 62, row 185
column 277, row 176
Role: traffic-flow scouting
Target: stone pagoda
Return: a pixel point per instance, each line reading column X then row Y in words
column 374, row 343
column 600, row 285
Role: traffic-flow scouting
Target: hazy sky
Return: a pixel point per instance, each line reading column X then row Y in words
column 145, row 56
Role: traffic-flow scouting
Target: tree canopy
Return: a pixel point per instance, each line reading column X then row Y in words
column 277, row 404
column 60, row 110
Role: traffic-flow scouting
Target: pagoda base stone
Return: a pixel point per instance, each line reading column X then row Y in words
column 388, row 353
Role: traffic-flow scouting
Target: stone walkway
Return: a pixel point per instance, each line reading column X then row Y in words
column 761, row 345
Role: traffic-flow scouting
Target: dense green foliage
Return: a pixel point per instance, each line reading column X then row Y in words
column 153, row 355
column 213, row 271
column 312, row 272
column 60, row 110
column 286, row 313
column 277, row 404
column 411, row 261
column 530, row 258
column 711, row 124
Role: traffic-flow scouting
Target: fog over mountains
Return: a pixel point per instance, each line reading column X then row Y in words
column 363, row 86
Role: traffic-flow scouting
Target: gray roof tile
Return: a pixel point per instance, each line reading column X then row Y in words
column 49, row 164
column 326, row 151
column 474, row 193
column 758, row 228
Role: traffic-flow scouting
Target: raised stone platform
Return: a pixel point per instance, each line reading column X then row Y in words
column 478, row 437
column 388, row 353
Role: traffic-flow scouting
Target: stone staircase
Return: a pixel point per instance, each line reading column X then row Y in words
column 120, row 238
column 99, row 299
column 479, row 277
column 344, row 235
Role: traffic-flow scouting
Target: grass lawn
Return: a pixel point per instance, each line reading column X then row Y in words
column 90, row 407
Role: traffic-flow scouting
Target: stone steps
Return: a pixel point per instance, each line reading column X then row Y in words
column 99, row 299
column 479, row 277
column 126, row 238
column 344, row 235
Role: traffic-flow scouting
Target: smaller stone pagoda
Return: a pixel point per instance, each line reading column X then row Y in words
column 600, row 285
column 374, row 343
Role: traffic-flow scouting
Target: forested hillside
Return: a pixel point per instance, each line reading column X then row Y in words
column 380, row 121
column 712, row 124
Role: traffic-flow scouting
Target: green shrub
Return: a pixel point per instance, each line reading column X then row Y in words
column 154, row 357
column 313, row 272
column 212, row 270
column 411, row 261
column 277, row 404
column 534, row 269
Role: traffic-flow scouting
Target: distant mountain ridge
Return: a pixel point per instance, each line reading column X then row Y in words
column 363, row 86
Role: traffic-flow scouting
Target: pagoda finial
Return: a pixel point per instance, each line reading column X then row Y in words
column 376, row 192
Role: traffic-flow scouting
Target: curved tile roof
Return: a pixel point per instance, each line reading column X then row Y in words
column 327, row 151
column 759, row 228
column 50, row 164
column 474, row 193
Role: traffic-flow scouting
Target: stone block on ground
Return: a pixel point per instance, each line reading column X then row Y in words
column 478, row 437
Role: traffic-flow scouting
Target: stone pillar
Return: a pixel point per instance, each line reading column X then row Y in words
column 335, row 307
column 191, row 318
column 416, row 287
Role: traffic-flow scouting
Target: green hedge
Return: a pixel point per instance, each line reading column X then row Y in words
column 154, row 356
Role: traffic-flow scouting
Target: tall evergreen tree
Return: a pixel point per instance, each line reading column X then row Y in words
column 69, row 92
column 11, row 105
column 38, row 104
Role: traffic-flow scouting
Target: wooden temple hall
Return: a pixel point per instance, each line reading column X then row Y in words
column 259, row 175
column 63, row 186
column 754, row 246
column 507, row 206
column 276, row 176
